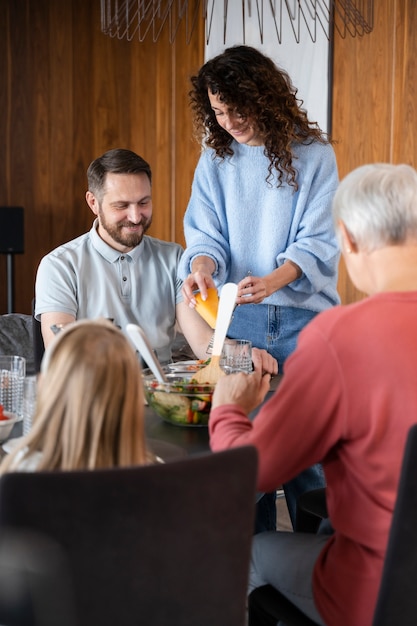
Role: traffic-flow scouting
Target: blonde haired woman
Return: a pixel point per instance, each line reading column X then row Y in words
column 90, row 407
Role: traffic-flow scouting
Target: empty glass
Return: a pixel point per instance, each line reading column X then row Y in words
column 237, row 356
column 29, row 402
column 12, row 375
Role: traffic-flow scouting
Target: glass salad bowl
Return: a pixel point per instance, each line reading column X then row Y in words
column 180, row 401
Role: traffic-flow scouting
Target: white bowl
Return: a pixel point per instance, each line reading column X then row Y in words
column 6, row 426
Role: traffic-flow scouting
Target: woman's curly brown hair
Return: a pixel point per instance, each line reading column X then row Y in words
column 252, row 85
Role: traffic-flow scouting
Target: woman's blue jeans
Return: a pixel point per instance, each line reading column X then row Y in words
column 273, row 328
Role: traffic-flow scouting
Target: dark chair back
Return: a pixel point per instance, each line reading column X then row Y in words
column 35, row 588
column 311, row 510
column 397, row 600
column 397, row 597
column 156, row 545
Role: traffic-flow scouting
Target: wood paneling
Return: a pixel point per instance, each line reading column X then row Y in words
column 374, row 97
column 68, row 93
column 404, row 140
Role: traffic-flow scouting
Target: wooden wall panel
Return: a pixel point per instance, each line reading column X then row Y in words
column 374, row 97
column 163, row 164
column 185, row 147
column 404, row 135
column 68, row 93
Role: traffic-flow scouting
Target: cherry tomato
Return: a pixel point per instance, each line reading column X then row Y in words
column 3, row 417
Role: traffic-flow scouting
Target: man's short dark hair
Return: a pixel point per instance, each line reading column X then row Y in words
column 117, row 161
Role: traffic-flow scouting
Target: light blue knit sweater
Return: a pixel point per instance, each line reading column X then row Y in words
column 246, row 225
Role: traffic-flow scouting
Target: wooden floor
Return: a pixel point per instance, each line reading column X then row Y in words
column 283, row 518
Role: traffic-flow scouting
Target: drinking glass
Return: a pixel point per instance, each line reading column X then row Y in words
column 29, row 402
column 237, row 356
column 12, row 375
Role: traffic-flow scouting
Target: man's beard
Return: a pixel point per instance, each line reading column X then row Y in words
column 116, row 231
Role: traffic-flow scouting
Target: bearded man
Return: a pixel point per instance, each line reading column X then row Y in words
column 115, row 270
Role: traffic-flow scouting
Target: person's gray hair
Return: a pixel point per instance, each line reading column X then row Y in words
column 378, row 205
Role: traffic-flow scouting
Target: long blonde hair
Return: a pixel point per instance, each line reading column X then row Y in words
column 90, row 406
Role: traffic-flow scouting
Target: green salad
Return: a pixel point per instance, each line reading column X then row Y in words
column 185, row 401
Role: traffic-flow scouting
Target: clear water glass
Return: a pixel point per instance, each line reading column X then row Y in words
column 29, row 402
column 12, row 375
column 237, row 356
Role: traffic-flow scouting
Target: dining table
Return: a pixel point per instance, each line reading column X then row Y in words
column 170, row 441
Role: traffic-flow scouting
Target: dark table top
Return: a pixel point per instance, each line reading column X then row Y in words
column 167, row 440
column 170, row 441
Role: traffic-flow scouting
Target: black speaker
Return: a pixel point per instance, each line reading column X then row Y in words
column 11, row 229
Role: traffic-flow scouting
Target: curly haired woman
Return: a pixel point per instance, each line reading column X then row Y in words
column 260, row 208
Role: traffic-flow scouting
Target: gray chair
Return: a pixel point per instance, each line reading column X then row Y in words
column 155, row 545
column 397, row 600
column 16, row 338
